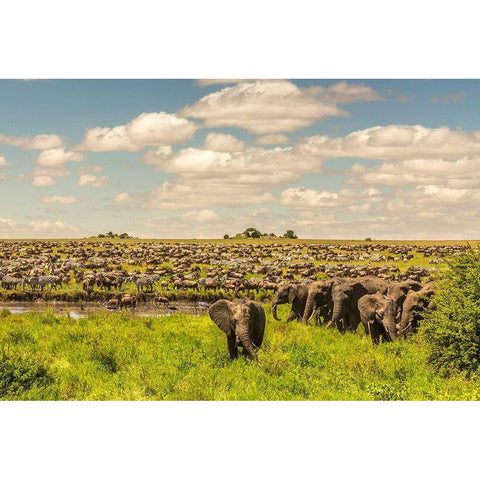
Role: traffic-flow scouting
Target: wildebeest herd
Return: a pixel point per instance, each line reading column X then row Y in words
column 338, row 285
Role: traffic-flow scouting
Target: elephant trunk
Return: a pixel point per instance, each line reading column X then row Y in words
column 338, row 312
column 308, row 308
column 390, row 325
column 274, row 312
column 247, row 343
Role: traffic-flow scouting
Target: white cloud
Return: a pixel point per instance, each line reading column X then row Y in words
column 148, row 129
column 37, row 142
column 64, row 200
column 43, row 181
column 395, row 142
column 221, row 142
column 104, row 139
column 3, row 161
column 263, row 107
column 92, row 181
column 37, row 229
column 461, row 173
column 58, row 157
column 201, row 216
column 273, row 139
column 123, row 197
column 176, row 196
column 305, row 198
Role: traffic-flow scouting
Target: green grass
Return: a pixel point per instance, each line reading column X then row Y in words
column 180, row 357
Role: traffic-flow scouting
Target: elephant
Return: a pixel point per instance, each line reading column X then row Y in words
column 414, row 305
column 377, row 313
column 345, row 297
column 320, row 299
column 398, row 292
column 243, row 321
column 294, row 293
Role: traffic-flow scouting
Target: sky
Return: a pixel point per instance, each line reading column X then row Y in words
column 345, row 159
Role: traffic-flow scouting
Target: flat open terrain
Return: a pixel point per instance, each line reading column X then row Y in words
column 118, row 357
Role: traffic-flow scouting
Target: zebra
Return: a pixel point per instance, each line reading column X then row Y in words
column 43, row 280
column 143, row 281
column 8, row 281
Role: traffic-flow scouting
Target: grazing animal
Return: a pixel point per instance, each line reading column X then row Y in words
column 243, row 322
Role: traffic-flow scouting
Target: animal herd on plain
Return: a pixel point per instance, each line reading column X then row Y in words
column 369, row 283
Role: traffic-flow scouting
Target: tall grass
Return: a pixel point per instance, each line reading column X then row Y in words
column 119, row 357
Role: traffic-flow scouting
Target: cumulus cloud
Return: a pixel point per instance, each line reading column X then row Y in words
column 273, row 139
column 3, row 161
column 221, row 142
column 58, row 157
column 92, row 181
column 148, row 129
column 264, row 107
column 306, row 198
column 201, row 216
column 43, row 181
column 64, row 200
column 37, row 142
column 461, row 173
column 185, row 195
column 123, row 197
column 395, row 142
column 37, row 229
column 205, row 177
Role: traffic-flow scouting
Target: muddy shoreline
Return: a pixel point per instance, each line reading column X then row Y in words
column 84, row 309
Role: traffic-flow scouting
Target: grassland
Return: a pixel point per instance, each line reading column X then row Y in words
column 119, row 357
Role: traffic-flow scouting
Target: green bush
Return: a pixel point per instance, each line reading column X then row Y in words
column 18, row 375
column 452, row 331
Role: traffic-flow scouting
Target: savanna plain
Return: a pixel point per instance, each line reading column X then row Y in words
column 175, row 352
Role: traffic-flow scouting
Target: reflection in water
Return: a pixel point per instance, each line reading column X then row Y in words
column 80, row 311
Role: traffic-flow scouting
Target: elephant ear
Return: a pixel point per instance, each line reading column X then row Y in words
column 257, row 318
column 221, row 313
column 292, row 293
column 367, row 307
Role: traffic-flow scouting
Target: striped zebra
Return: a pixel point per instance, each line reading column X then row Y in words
column 42, row 281
column 143, row 282
column 8, row 281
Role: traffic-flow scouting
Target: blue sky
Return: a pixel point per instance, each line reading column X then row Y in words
column 189, row 159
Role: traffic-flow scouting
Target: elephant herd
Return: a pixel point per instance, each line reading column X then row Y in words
column 387, row 309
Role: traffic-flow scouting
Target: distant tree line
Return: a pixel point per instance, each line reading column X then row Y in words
column 113, row 235
column 254, row 233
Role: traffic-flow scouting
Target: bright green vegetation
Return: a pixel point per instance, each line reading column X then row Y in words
column 452, row 331
column 120, row 357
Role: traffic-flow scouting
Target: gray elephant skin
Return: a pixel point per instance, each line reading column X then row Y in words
column 319, row 299
column 377, row 313
column 414, row 307
column 345, row 297
column 243, row 322
column 293, row 293
column 398, row 292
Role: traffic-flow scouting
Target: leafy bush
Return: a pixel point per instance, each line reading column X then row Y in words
column 18, row 375
column 452, row 331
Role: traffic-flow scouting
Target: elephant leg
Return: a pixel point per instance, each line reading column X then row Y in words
column 374, row 332
column 232, row 346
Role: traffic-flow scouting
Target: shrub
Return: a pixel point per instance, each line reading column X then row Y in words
column 18, row 375
column 452, row 331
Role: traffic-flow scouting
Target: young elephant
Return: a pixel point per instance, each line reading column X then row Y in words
column 243, row 321
column 377, row 313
